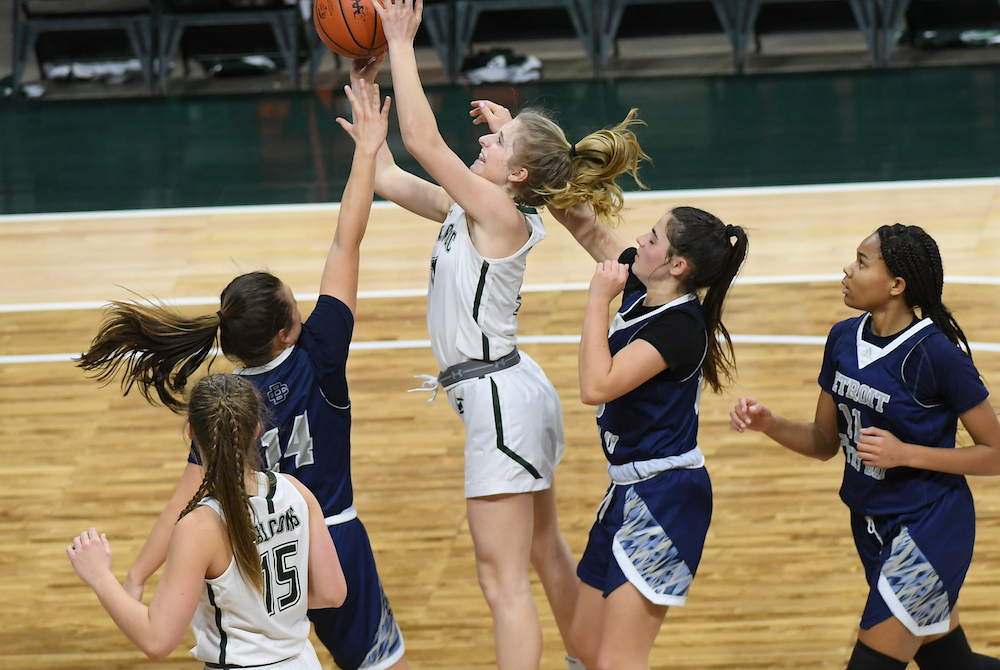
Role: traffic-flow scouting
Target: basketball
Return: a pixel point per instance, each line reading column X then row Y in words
column 350, row 28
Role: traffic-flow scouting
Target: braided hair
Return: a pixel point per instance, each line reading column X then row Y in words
column 910, row 253
column 705, row 242
column 224, row 412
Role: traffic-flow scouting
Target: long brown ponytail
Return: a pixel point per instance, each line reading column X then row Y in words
column 224, row 412
column 563, row 174
column 715, row 259
column 158, row 348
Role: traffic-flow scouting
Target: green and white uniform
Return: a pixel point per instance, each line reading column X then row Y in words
column 513, row 418
column 234, row 625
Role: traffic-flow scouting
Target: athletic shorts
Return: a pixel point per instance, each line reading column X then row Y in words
column 915, row 563
column 513, row 430
column 650, row 534
column 306, row 660
column 362, row 634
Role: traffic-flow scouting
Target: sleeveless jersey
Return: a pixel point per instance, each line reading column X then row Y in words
column 659, row 418
column 472, row 302
column 869, row 387
column 233, row 623
column 308, row 432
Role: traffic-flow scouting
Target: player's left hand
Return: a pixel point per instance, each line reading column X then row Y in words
column 90, row 555
column 491, row 113
column 370, row 124
column 881, row 449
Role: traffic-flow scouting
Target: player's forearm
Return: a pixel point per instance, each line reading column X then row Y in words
column 978, row 459
column 356, row 204
column 595, row 353
column 599, row 241
column 154, row 551
column 417, row 124
column 131, row 617
column 807, row 439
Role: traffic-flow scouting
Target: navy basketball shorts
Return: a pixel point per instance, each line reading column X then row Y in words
column 915, row 563
column 362, row 634
column 650, row 534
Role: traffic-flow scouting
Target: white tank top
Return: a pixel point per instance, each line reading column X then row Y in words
column 233, row 623
column 472, row 302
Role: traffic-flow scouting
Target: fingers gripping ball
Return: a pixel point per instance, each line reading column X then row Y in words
column 350, row 28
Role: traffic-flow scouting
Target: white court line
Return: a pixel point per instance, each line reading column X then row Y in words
column 421, row 292
column 809, row 340
column 849, row 187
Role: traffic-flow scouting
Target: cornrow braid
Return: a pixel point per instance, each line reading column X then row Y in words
column 224, row 415
column 910, row 253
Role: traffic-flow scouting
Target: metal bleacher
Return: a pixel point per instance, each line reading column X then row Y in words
column 155, row 27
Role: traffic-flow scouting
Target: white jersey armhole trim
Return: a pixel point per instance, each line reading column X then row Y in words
column 536, row 233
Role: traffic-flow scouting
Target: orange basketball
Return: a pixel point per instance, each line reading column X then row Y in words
column 350, row 28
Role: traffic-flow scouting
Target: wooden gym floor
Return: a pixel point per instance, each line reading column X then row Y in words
column 779, row 586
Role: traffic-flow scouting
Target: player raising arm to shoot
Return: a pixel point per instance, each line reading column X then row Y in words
column 892, row 390
column 300, row 368
column 511, row 411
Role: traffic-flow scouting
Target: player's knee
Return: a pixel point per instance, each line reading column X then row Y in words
column 503, row 588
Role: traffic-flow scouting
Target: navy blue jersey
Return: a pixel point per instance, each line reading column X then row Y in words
column 660, row 417
column 308, row 432
column 914, row 385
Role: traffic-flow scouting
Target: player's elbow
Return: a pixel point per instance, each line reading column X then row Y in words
column 329, row 595
column 157, row 650
column 337, row 593
column 592, row 395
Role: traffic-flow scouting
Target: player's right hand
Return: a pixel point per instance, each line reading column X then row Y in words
column 749, row 413
column 90, row 555
column 365, row 68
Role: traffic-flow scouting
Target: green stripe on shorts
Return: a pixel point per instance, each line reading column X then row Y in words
column 500, row 445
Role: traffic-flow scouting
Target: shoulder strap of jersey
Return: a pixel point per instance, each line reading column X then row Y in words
column 620, row 323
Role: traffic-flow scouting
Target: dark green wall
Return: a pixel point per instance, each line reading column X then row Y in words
column 703, row 132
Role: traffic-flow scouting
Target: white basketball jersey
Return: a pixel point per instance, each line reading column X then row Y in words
column 472, row 302
column 234, row 625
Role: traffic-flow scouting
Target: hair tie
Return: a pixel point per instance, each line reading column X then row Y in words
column 730, row 231
column 219, row 314
column 572, row 151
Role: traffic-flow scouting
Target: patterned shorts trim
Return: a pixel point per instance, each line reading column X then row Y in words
column 912, row 590
column 388, row 647
column 648, row 557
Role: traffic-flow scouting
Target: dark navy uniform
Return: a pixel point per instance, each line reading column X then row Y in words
column 914, row 529
column 309, row 436
column 651, row 527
